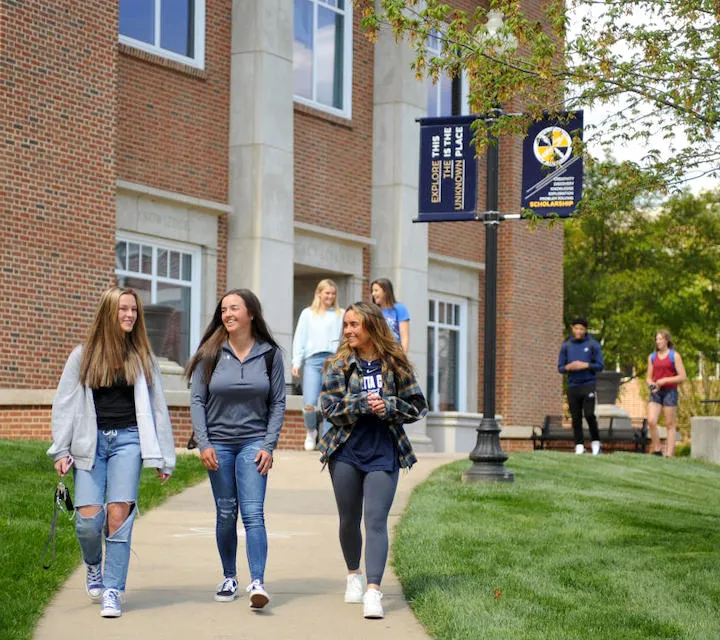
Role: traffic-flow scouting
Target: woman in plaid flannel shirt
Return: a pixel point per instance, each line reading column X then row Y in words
column 369, row 391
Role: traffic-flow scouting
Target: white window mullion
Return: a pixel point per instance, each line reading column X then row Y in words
column 153, row 282
column 436, row 362
column 157, row 23
column 313, row 82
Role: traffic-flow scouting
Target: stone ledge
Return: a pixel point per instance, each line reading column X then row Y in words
column 45, row 397
column 456, row 432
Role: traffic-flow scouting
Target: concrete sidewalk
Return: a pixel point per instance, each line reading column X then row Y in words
column 175, row 569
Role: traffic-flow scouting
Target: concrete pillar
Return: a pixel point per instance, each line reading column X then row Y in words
column 705, row 438
column 401, row 252
column 260, row 227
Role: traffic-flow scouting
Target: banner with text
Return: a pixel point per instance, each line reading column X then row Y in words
column 552, row 175
column 448, row 170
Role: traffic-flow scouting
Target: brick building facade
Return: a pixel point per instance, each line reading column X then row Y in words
column 225, row 154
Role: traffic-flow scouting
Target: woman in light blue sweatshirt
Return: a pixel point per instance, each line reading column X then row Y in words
column 317, row 336
column 109, row 419
column 237, row 404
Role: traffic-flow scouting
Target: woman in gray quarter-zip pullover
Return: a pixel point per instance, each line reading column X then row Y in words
column 237, row 406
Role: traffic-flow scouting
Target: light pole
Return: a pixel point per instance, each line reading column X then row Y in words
column 488, row 457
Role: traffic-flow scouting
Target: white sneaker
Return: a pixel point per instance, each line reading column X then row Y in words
column 595, row 444
column 94, row 582
column 258, row 596
column 372, row 607
column 310, row 440
column 579, row 449
column 111, row 600
column 355, row 587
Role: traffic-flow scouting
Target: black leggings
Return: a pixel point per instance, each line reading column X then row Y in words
column 581, row 400
column 377, row 488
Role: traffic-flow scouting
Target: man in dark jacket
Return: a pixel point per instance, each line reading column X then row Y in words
column 581, row 358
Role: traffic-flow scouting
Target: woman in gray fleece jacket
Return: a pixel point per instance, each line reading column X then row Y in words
column 237, row 403
column 110, row 419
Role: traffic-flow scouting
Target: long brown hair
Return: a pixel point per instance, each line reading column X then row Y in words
column 668, row 338
column 109, row 351
column 387, row 287
column 216, row 334
column 390, row 351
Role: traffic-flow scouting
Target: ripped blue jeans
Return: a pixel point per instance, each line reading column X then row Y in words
column 115, row 477
column 238, row 483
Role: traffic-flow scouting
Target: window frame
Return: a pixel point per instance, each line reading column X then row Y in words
column 346, row 111
column 198, row 61
column 464, row 87
column 432, row 364
column 195, row 282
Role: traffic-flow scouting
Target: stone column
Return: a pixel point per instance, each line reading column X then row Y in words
column 260, row 227
column 401, row 252
column 705, row 438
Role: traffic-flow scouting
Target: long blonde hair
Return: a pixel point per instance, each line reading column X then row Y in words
column 391, row 353
column 316, row 306
column 109, row 350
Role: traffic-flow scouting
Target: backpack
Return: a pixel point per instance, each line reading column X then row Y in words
column 671, row 353
column 269, row 357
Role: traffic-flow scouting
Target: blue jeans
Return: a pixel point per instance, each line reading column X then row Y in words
column 238, row 482
column 115, row 477
column 311, row 386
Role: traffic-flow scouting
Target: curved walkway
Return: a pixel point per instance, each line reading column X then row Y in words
column 175, row 569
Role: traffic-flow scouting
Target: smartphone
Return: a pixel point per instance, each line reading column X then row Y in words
column 68, row 463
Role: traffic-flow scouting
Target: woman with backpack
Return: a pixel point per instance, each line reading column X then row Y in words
column 237, row 405
column 665, row 371
column 369, row 391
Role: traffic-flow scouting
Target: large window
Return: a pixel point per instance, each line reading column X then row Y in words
column 440, row 93
column 166, row 276
column 322, row 54
column 173, row 29
column 447, row 329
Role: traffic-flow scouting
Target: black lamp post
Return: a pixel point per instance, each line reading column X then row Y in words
column 487, row 456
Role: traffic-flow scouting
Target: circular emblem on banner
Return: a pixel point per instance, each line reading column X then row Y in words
column 552, row 146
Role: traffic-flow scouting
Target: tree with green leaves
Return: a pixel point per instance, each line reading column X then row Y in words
column 652, row 64
column 638, row 264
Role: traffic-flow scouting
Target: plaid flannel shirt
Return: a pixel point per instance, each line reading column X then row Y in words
column 341, row 406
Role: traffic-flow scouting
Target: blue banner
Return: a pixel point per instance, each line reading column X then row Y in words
column 552, row 174
column 448, row 170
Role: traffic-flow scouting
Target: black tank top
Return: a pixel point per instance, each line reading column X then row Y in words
column 115, row 406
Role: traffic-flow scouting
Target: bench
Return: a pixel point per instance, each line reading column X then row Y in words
column 614, row 429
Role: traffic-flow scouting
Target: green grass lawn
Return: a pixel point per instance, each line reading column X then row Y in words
column 621, row 546
column 27, row 484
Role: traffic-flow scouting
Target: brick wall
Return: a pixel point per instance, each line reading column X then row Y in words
column 33, row 423
column 173, row 121
column 333, row 156
column 57, row 180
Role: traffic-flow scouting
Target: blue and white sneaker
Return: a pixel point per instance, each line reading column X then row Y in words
column 227, row 590
column 258, row 596
column 111, row 599
column 94, row 582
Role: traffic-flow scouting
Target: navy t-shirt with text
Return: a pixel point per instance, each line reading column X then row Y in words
column 370, row 446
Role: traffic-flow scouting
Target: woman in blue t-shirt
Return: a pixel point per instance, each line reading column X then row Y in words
column 369, row 391
column 396, row 313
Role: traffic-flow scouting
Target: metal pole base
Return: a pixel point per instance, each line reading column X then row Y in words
column 487, row 456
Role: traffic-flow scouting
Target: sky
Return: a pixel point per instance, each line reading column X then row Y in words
column 633, row 151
